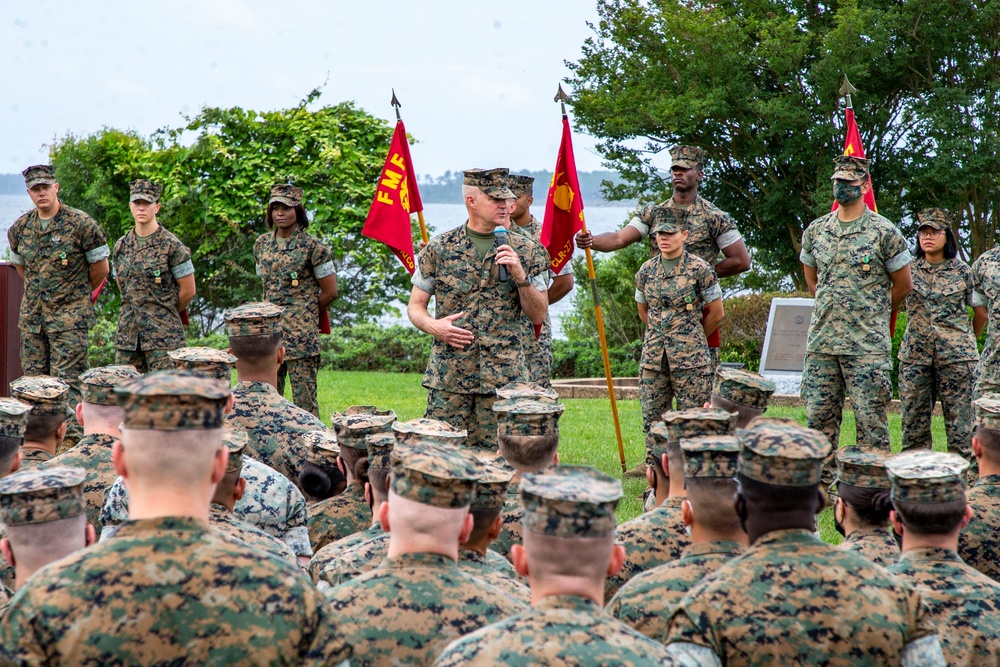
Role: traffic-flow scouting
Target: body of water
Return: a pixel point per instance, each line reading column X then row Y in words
column 439, row 218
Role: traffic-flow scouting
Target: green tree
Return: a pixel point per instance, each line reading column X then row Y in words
column 217, row 170
column 755, row 83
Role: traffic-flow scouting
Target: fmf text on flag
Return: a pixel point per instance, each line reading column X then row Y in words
column 396, row 197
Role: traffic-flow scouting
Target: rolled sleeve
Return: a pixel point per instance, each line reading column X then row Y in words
column 418, row 280
column 323, row 270
column 978, row 300
column 639, row 226
column 710, row 294
column 182, row 269
column 639, row 296
column 540, row 282
column 807, row 258
column 728, row 238
column 899, row 261
column 925, row 651
column 298, row 540
column 16, row 259
column 693, row 655
column 98, row 253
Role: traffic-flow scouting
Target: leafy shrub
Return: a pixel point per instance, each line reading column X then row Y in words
column 369, row 347
column 582, row 358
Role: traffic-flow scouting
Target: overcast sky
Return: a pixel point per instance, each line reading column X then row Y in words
column 476, row 79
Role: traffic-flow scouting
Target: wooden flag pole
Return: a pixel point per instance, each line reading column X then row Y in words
column 562, row 97
column 420, row 214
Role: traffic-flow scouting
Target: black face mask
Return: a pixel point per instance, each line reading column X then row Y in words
column 846, row 193
column 741, row 510
column 837, row 524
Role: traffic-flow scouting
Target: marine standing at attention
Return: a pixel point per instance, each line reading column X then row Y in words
column 296, row 270
column 62, row 254
column 155, row 275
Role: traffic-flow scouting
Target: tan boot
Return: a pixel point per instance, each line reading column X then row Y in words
column 638, row 471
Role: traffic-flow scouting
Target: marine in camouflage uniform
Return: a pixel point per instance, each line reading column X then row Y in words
column 964, row 604
column 48, row 398
column 848, row 348
column 647, row 601
column 938, row 356
column 149, row 270
column 348, row 513
column 71, row 614
column 57, row 258
column 270, row 503
column 986, row 286
column 292, row 266
column 768, row 606
column 979, row 541
column 659, row 536
column 864, row 471
column 93, row 452
column 462, row 278
column 414, row 603
column 13, row 421
column 675, row 363
column 563, row 627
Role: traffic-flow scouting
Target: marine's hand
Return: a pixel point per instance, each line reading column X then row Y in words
column 446, row 331
column 584, row 240
column 507, row 257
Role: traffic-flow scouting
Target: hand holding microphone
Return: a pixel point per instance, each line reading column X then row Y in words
column 501, row 236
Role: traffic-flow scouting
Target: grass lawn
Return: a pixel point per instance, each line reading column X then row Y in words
column 587, row 433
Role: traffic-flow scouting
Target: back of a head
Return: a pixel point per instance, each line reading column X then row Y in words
column 491, row 492
column 528, row 430
column 928, row 491
column 742, row 392
column 989, row 438
column 569, row 523
column 744, row 413
column 49, row 400
column 863, row 486
column 710, row 463
column 13, row 422
column 254, row 331
column 320, row 477
column 529, row 453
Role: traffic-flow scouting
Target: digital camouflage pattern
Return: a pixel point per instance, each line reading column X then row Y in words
column 537, row 351
column 13, row 417
column 92, row 454
column 877, row 544
column 190, row 596
column 56, row 295
column 143, row 189
column 327, row 554
column 527, row 390
column 275, row 425
column 224, row 521
column 302, row 374
column 98, row 384
column 45, row 394
column 358, row 422
column 558, row 630
column 667, row 220
column 147, row 272
column 290, row 270
column 253, row 319
column 40, row 496
column 687, row 157
column 979, row 542
column 863, row 469
column 39, row 174
column 683, row 424
column 988, row 411
column 270, row 502
column 512, row 532
column 287, row 194
column 493, row 182
column 760, row 608
column 520, row 416
column 449, row 269
column 710, row 456
column 208, row 360
column 409, row 608
column 323, row 447
column 434, row 474
column 850, row 168
column 354, row 560
column 61, row 354
column 647, row 601
column 710, row 229
column 173, row 401
column 379, row 447
column 651, row 539
column 569, row 501
column 743, row 387
column 521, row 185
column 495, row 571
column 986, row 285
column 938, row 218
column 472, row 413
column 924, row 476
column 782, row 454
column 964, row 604
column 31, row 457
column 491, row 490
column 421, row 430
column 339, row 517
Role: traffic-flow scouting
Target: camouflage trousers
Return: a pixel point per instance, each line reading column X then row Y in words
column 302, row 375
column 472, row 412
column 61, row 354
column 538, row 353
column 920, row 387
column 865, row 378
column 145, row 361
column 658, row 389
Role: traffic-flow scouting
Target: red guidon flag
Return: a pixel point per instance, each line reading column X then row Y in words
column 564, row 205
column 396, row 197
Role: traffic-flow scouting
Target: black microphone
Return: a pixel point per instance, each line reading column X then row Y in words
column 501, row 236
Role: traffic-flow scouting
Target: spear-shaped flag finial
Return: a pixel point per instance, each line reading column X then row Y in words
column 846, row 91
column 562, row 98
column 395, row 103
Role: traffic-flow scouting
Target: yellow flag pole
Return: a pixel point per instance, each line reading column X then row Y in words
column 562, row 97
column 420, row 214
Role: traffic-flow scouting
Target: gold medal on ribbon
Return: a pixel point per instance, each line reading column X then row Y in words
column 156, row 275
column 62, row 256
column 295, row 279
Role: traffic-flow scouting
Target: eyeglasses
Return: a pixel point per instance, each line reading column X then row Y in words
column 930, row 233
